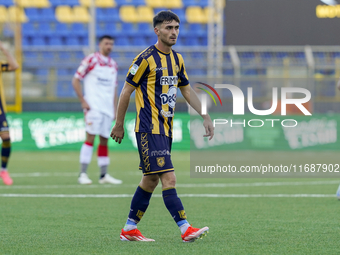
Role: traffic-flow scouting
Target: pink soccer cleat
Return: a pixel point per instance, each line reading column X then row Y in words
column 6, row 178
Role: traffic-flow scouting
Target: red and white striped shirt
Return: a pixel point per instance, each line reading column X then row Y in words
column 99, row 75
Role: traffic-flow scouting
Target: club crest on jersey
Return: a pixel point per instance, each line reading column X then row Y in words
column 170, row 97
column 134, row 69
column 169, row 80
column 176, row 68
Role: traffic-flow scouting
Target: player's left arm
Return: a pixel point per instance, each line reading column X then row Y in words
column 11, row 62
column 192, row 99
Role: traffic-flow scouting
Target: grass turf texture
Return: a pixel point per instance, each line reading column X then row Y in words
column 263, row 225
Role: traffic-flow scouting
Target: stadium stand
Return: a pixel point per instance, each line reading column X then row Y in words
column 16, row 14
column 54, row 32
column 3, row 14
column 99, row 3
column 64, row 13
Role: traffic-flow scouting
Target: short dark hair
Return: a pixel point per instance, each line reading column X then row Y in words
column 164, row 16
column 106, row 37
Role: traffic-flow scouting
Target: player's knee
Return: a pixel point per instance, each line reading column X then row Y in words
column 150, row 182
column 90, row 138
column 168, row 180
column 5, row 136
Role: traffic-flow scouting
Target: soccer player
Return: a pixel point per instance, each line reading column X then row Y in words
column 338, row 191
column 10, row 65
column 99, row 74
column 155, row 74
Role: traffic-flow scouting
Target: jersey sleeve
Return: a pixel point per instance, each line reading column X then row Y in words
column 137, row 72
column 84, row 68
column 183, row 79
column 4, row 67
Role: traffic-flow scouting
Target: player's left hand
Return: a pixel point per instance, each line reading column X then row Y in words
column 209, row 128
column 117, row 133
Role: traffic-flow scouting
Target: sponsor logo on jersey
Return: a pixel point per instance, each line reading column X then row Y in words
column 103, row 80
column 161, row 68
column 167, row 113
column 134, row 69
column 169, row 80
column 160, row 153
column 170, row 97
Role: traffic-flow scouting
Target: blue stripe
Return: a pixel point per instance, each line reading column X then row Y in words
column 170, row 73
column 158, row 91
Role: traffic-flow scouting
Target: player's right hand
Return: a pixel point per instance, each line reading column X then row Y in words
column 85, row 105
column 117, row 133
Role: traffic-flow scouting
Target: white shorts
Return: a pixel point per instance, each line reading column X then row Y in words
column 97, row 123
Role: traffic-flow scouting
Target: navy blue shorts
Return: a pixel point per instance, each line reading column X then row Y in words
column 155, row 153
column 3, row 121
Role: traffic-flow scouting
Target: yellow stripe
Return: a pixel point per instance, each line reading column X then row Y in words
column 156, row 172
column 131, row 85
column 168, row 188
column 6, row 144
column 151, row 95
column 139, row 104
column 141, row 69
column 145, row 190
column 2, row 94
column 165, row 88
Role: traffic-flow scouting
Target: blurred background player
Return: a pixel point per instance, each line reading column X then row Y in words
column 338, row 191
column 156, row 74
column 9, row 65
column 99, row 74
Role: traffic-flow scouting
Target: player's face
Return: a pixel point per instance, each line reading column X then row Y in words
column 168, row 32
column 105, row 46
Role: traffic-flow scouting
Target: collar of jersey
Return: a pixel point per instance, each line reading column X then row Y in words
column 162, row 51
column 99, row 55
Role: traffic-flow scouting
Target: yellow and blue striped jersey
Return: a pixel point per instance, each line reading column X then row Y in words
column 156, row 76
column 3, row 68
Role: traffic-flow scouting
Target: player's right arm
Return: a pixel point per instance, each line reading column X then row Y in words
column 138, row 70
column 117, row 132
column 82, row 71
column 77, row 88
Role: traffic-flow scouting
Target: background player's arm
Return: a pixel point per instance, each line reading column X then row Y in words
column 117, row 132
column 77, row 88
column 12, row 63
column 338, row 85
column 192, row 98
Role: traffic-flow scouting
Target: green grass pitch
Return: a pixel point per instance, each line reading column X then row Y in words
column 91, row 225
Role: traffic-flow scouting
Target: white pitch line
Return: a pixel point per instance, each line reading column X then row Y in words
column 16, row 175
column 189, row 185
column 181, row 195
